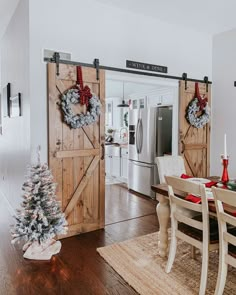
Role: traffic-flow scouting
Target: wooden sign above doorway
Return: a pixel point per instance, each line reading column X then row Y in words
column 146, row 67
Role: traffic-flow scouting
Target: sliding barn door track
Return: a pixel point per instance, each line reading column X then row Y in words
column 56, row 59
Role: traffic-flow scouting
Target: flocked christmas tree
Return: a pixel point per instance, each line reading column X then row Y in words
column 40, row 218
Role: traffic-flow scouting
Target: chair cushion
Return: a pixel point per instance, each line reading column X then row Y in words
column 197, row 233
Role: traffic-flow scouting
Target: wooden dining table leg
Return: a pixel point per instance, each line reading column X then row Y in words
column 163, row 215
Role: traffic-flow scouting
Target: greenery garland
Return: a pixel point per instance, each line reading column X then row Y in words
column 191, row 114
column 72, row 96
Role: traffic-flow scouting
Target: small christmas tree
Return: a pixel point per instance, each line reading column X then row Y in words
column 40, row 218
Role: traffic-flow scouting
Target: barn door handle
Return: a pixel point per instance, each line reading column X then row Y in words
column 58, row 142
column 183, row 147
column 103, row 151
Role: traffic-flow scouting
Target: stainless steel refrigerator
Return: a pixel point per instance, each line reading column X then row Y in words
column 150, row 135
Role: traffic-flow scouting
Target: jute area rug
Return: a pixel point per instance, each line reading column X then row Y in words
column 138, row 263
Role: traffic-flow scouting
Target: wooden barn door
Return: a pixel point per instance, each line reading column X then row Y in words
column 76, row 156
column 194, row 143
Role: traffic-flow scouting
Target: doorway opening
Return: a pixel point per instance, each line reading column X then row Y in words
column 135, row 107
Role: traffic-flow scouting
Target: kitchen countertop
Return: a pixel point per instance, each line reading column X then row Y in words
column 122, row 145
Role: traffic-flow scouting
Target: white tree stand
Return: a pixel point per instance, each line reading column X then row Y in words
column 43, row 251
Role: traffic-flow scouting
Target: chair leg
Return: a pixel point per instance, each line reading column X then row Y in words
column 172, row 252
column 193, row 252
column 204, row 272
column 221, row 278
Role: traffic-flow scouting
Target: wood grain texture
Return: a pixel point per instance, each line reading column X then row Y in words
column 194, row 143
column 102, row 142
column 81, row 186
column 75, row 155
column 54, row 129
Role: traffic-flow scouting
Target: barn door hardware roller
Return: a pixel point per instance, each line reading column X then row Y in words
column 96, row 65
column 56, row 59
column 207, row 82
column 185, row 78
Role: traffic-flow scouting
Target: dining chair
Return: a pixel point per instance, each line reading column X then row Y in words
column 173, row 166
column 170, row 166
column 227, row 235
column 199, row 231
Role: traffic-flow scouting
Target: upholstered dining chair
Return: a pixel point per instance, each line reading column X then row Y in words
column 227, row 235
column 199, row 231
column 170, row 166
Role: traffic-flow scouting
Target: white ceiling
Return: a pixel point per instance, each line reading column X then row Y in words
column 210, row 16
column 7, row 8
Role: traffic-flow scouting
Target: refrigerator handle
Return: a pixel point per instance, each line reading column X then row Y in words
column 141, row 135
column 142, row 165
column 137, row 137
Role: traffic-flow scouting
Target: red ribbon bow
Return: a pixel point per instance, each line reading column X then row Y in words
column 85, row 93
column 201, row 101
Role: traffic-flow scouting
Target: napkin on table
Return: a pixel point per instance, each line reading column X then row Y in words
column 193, row 198
column 211, row 183
column 185, row 176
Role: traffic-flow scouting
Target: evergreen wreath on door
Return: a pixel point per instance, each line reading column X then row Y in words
column 196, row 105
column 80, row 94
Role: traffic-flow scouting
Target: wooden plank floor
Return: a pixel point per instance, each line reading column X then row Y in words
column 77, row 269
column 122, row 205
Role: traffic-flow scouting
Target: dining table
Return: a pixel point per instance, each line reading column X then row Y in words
column 163, row 212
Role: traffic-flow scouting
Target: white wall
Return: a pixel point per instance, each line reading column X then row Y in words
column 0, row 64
column 15, row 141
column 224, row 101
column 89, row 30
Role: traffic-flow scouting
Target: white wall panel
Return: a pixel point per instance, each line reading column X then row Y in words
column 224, row 101
column 15, row 141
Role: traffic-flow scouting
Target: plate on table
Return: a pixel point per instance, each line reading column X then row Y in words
column 199, row 180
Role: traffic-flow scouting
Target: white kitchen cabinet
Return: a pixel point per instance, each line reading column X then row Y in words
column 108, row 165
column 115, row 166
column 124, row 164
column 112, row 161
column 124, row 168
column 114, row 114
column 109, row 113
